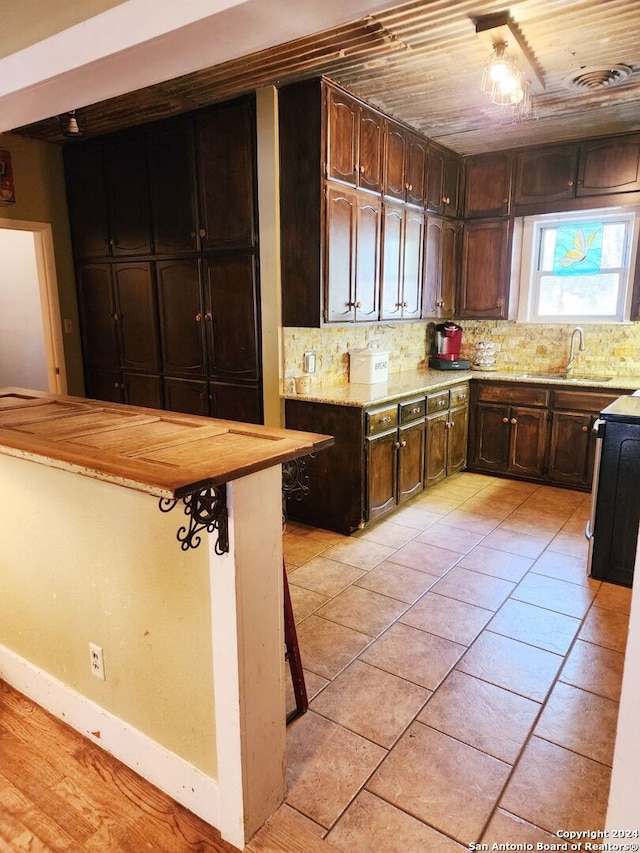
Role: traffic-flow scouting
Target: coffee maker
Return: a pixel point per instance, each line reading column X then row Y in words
column 448, row 344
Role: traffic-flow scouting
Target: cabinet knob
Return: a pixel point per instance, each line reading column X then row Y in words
column 449, row 424
column 505, row 420
column 396, row 444
column 116, row 316
column 446, row 199
column 585, row 429
column 198, row 318
column 403, row 443
column 386, row 419
column 208, row 316
column 499, row 303
column 569, row 183
column 408, row 187
column 111, row 242
column 514, row 420
column 192, row 234
column 415, row 410
column 361, row 169
column 202, row 232
column 405, row 304
column 442, row 403
column 116, row 385
column 357, row 304
column 440, row 303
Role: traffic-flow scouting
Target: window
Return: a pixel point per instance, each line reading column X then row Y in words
column 576, row 266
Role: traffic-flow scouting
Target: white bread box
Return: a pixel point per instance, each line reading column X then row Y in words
column 368, row 365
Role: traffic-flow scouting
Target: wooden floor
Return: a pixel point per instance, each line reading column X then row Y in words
column 59, row 792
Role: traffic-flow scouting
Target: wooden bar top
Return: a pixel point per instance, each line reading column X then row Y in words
column 163, row 453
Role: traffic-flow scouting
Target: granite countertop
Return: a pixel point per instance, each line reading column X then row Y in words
column 427, row 381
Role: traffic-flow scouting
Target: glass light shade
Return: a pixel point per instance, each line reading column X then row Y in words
column 499, row 69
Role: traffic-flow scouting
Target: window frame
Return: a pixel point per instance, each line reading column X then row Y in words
column 530, row 229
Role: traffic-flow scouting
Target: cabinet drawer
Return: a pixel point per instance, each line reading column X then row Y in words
column 459, row 395
column 437, row 402
column 515, row 394
column 379, row 420
column 412, row 410
column 582, row 401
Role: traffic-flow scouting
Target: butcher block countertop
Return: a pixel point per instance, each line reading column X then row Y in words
column 165, row 454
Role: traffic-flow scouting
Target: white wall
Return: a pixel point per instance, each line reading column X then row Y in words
column 22, row 352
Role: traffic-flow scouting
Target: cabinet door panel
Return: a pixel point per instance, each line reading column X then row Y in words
column 392, row 253
column 412, row 265
column 225, row 146
column 491, row 437
column 451, row 184
column 340, row 250
column 609, row 166
column 436, row 449
column 411, row 461
column 236, row 402
column 416, row 170
column 181, row 317
column 370, row 148
column 432, row 283
column 137, row 327
column 97, row 314
column 142, row 390
column 435, row 179
column 104, row 385
column 232, row 318
column 188, row 396
column 87, row 199
column 457, row 439
column 128, row 186
column 484, row 285
column 382, row 455
column 367, row 260
column 528, row 441
column 172, row 179
column 546, row 175
column 396, row 153
column 342, row 137
column 487, row 185
column 569, row 448
column 449, row 275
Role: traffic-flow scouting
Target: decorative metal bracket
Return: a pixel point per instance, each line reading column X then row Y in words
column 206, row 510
column 295, row 481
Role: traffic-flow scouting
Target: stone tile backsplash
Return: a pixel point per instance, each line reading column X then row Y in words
column 610, row 350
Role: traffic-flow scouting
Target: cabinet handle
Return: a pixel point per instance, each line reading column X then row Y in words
column 198, row 318
column 446, row 199
column 505, row 420
column 442, row 403
column 499, row 303
column 116, row 316
column 116, row 385
column 408, row 187
column 440, row 303
column 111, row 242
column 202, row 232
column 462, row 397
column 415, row 411
column 208, row 316
column 405, row 304
column 396, row 444
column 449, row 424
column 192, row 234
column 403, row 443
column 514, row 420
column 386, row 419
column 361, row 169
column 585, row 429
column 569, row 183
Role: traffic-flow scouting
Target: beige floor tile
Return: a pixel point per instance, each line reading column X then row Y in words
column 523, row 522
column 614, row 597
column 473, row 521
column 516, row 542
column 580, row 721
column 324, row 757
column 474, row 588
column 572, row 599
column 554, row 788
column 327, row 536
column 304, row 601
column 450, row 538
column 448, row 618
column 396, row 581
column 371, row 824
column 505, row 828
column 482, row 715
column 574, row 544
column 441, row 781
column 417, row 515
column 412, row 654
column 363, row 610
column 371, row 702
column 536, row 626
column 594, row 668
column 437, row 504
column 326, row 577
column 425, row 557
column 510, row 664
column 359, row 553
column 326, row 647
column 483, row 505
column 299, row 549
column 389, row 533
column 498, row 564
column 606, row 628
column 564, row 567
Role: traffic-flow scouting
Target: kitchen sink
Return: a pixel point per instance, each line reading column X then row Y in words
column 566, row 377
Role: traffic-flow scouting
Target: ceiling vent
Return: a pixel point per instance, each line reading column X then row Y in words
column 592, row 78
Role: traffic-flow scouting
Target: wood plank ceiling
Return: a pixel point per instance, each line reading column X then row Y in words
column 421, row 62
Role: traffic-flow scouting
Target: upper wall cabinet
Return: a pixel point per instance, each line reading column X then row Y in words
column 484, row 277
column 609, row 166
column 487, row 185
column 546, row 174
column 355, row 142
column 405, row 170
column 443, row 181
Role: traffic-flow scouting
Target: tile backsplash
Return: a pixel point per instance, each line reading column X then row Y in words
column 610, row 350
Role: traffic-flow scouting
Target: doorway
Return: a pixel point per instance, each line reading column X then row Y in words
column 31, row 349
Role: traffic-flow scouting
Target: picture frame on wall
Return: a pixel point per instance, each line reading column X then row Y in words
column 7, row 190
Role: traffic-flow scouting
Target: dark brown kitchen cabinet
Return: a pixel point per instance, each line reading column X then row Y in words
column 87, row 199
column 447, row 429
column 136, row 389
column 355, row 141
column 128, row 193
column 443, row 180
column 118, row 316
column 487, row 185
column 181, row 313
column 405, row 165
column 401, row 275
column 485, row 269
column 382, row 474
column 173, row 189
column 352, row 255
column 609, row 165
column 225, row 150
column 440, row 267
column 545, row 174
column 226, row 400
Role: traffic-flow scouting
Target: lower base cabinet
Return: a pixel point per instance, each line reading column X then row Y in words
column 446, row 433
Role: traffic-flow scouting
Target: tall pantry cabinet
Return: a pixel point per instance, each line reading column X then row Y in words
column 164, row 228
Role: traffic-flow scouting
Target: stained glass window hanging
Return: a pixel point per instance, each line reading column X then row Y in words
column 578, row 249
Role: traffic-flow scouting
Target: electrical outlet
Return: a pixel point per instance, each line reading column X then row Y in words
column 309, row 362
column 67, row 326
column 96, row 656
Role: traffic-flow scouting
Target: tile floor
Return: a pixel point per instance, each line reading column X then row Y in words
column 463, row 672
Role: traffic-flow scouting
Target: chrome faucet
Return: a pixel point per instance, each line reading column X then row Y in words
column 572, row 355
